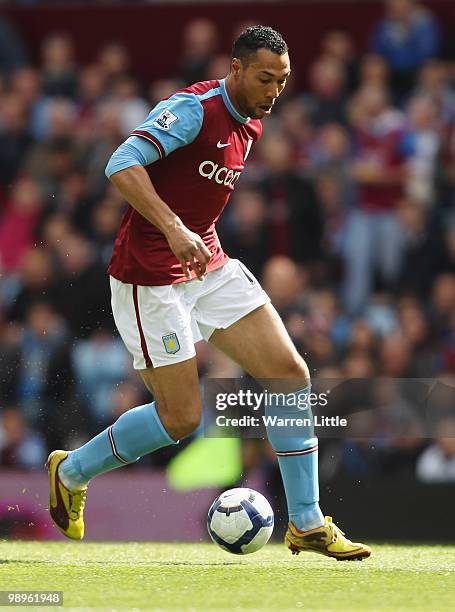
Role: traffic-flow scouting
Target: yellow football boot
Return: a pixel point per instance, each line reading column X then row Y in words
column 327, row 540
column 66, row 507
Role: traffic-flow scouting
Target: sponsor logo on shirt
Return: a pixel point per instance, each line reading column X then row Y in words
column 165, row 120
column 220, row 174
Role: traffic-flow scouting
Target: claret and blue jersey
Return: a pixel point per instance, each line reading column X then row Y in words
column 193, row 146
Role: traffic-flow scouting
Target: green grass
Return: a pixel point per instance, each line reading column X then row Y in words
column 203, row 577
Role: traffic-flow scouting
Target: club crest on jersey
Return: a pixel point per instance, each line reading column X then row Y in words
column 165, row 120
column 171, row 343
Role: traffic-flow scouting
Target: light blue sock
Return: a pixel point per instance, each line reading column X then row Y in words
column 137, row 432
column 297, row 452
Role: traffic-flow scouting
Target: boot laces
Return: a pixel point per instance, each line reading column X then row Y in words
column 336, row 531
column 77, row 502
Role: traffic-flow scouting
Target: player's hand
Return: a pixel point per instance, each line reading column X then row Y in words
column 189, row 249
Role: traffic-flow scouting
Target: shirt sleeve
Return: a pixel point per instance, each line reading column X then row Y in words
column 173, row 123
column 134, row 151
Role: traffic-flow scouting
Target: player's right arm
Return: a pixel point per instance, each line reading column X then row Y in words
column 157, row 137
column 136, row 187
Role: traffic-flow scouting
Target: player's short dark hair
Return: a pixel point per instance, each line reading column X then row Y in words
column 258, row 37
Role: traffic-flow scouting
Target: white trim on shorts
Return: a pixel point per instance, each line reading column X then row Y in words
column 161, row 324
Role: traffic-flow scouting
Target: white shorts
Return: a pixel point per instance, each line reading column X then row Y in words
column 160, row 325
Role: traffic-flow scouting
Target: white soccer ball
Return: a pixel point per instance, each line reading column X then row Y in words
column 240, row 521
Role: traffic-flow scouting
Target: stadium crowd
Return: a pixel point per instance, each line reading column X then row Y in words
column 345, row 212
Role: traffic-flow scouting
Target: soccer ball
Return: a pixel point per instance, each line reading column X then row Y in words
column 240, row 521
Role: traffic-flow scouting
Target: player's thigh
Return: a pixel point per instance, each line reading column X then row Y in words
column 176, row 392
column 260, row 344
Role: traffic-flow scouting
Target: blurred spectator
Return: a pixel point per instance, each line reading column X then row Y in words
column 200, row 39
column 83, row 281
column 54, row 231
column 326, row 100
column 55, row 117
column 358, row 364
column 283, row 282
column 246, row 236
column 19, row 446
column 447, row 262
column 381, row 314
column 106, row 137
column 18, row 223
column 299, row 132
column 374, row 239
column 423, row 248
column 374, row 71
column 59, row 73
column 417, row 332
column 133, row 108
column 332, row 156
column 114, row 61
column 25, row 83
column 15, row 137
column 73, row 199
column 294, row 217
column 92, row 90
column 99, row 363
column 13, row 53
column 406, row 37
column 334, row 204
column 51, row 160
column 420, row 145
column 396, row 357
column 43, row 336
column 434, row 81
column 104, row 225
column 437, row 462
column 35, row 281
column 9, row 362
column 443, row 301
column 339, row 45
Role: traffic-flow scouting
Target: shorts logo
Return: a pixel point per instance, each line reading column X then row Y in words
column 165, row 120
column 171, row 343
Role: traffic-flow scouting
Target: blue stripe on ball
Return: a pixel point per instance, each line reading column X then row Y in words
column 216, row 504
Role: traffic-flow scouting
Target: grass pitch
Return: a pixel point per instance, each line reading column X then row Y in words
column 203, row 577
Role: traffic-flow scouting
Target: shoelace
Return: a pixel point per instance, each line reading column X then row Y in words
column 335, row 530
column 77, row 502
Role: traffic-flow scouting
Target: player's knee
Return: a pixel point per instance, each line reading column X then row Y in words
column 295, row 367
column 187, row 426
column 185, row 423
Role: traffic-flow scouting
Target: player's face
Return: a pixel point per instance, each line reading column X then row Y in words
column 260, row 82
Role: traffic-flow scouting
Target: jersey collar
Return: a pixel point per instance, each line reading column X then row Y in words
column 229, row 105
